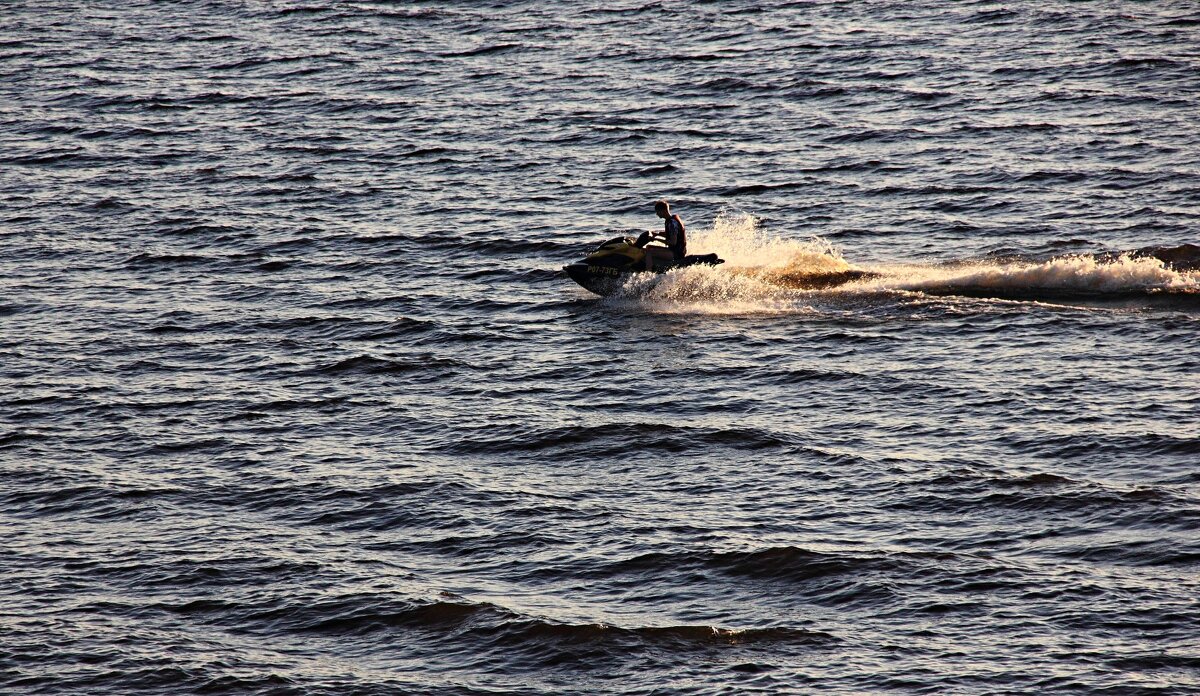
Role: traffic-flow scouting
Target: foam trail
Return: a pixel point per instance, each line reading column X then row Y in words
column 766, row 273
column 1068, row 275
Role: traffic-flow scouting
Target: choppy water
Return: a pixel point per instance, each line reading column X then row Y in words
column 295, row 399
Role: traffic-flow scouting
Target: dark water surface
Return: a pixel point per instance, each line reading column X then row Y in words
column 294, row 398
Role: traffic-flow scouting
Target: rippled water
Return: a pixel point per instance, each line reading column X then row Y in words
column 296, row 400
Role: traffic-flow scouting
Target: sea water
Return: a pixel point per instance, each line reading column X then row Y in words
column 295, row 398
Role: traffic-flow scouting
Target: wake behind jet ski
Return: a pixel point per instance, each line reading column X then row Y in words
column 613, row 262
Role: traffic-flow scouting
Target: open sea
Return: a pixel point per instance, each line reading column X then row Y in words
column 296, row 399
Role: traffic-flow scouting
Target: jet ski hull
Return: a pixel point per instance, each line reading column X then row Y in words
column 605, row 280
column 613, row 262
column 601, row 280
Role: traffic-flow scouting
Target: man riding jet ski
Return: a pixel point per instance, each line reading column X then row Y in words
column 606, row 268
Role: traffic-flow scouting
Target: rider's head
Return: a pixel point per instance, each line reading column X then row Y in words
column 662, row 209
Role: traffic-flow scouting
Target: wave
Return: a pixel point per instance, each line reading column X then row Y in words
column 371, row 365
column 1087, row 446
column 16, row 437
column 482, row 51
column 152, row 259
column 342, row 327
column 678, row 636
column 863, row 578
column 481, row 625
column 782, row 563
column 1135, row 552
column 613, row 440
column 958, row 492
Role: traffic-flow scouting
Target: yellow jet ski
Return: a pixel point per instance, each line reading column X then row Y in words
column 606, row 269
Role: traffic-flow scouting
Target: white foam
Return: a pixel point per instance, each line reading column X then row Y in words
column 706, row 290
column 737, row 237
column 766, row 273
column 1076, row 274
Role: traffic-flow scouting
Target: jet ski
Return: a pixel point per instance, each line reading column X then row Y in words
column 613, row 262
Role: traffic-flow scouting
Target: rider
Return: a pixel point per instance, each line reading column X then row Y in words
column 673, row 234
